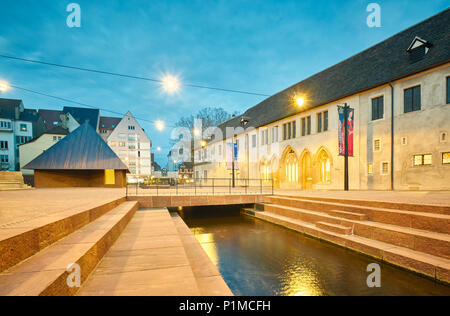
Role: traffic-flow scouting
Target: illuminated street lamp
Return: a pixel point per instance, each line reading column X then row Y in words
column 300, row 101
column 203, row 143
column 3, row 86
column 159, row 125
column 170, row 83
column 158, row 148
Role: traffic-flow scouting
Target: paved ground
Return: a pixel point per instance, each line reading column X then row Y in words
column 414, row 197
column 22, row 206
column 149, row 258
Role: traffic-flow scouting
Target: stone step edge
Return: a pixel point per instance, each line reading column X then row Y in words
column 57, row 284
column 366, row 208
column 325, row 225
column 383, row 252
column 429, row 208
column 373, row 224
column 20, row 247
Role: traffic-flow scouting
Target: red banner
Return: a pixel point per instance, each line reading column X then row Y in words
column 351, row 124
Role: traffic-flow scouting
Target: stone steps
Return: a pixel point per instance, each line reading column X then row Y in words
column 12, row 181
column 422, row 208
column 344, row 230
column 23, row 239
column 439, row 223
column 433, row 243
column 434, row 267
column 46, row 274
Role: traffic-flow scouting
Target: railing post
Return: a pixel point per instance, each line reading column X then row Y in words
column 157, row 190
column 195, row 187
column 213, row 186
column 229, row 185
column 260, row 184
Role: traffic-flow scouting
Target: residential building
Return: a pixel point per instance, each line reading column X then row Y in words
column 186, row 172
column 81, row 116
column 107, row 125
column 130, row 142
column 400, row 95
column 38, row 145
column 17, row 126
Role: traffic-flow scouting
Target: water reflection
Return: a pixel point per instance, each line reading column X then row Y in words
column 259, row 258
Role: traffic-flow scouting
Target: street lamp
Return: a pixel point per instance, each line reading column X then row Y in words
column 300, row 101
column 3, row 86
column 159, row 125
column 235, row 150
column 170, row 83
column 158, row 148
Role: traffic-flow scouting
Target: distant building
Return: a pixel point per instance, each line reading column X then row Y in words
column 107, row 125
column 130, row 142
column 17, row 126
column 32, row 149
column 81, row 159
column 186, row 172
column 83, row 115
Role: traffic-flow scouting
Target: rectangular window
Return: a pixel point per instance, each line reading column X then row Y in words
column 294, row 129
column 303, row 127
column 377, row 145
column 445, row 158
column 3, row 144
column 448, row 90
column 423, row 160
column 289, row 130
column 412, row 99
column 308, row 125
column 319, row 123
column 325, row 121
column 110, row 177
column 384, row 168
column 121, row 144
column 377, row 108
column 284, row 131
column 262, row 138
column 4, row 158
column 370, row 169
column 23, row 127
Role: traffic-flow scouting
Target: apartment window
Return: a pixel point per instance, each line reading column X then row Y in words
column 23, row 127
column 325, row 121
column 294, row 129
column 253, row 141
column 113, row 144
column 370, row 169
column 423, row 160
column 22, row 139
column 267, row 136
column 448, row 90
column 131, row 127
column 412, row 99
column 4, row 124
column 3, row 144
column 284, row 131
column 377, row 108
column 289, row 130
column 443, row 137
column 377, row 145
column 262, row 138
column 122, row 136
column 121, row 144
column 303, row 126
column 289, row 126
column 445, row 158
column 4, row 158
column 205, row 174
column 385, row 168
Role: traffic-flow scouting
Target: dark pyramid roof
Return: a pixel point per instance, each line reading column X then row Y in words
column 109, row 123
column 50, row 117
column 83, row 115
column 83, row 149
column 376, row 66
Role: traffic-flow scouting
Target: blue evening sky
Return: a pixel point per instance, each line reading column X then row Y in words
column 254, row 45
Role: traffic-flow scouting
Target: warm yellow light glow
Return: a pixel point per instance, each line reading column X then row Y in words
column 180, row 208
column 170, row 83
column 159, row 125
column 158, row 148
column 203, row 143
column 300, row 101
column 196, row 132
column 3, row 86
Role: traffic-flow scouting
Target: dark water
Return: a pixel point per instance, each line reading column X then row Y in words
column 259, row 258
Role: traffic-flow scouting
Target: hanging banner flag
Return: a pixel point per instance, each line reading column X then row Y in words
column 351, row 124
column 232, row 151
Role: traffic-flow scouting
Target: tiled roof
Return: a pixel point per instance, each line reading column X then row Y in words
column 376, row 66
column 83, row 115
column 50, row 117
column 109, row 123
column 7, row 108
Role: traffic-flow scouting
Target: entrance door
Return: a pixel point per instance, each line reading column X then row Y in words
column 306, row 172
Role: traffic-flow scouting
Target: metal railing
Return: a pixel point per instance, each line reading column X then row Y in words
column 204, row 186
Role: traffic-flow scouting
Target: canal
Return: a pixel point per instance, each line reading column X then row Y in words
column 257, row 258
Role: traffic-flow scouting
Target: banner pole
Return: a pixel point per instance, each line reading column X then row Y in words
column 346, row 186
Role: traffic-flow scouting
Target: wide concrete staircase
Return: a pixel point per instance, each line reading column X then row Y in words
column 38, row 257
column 10, row 180
column 414, row 237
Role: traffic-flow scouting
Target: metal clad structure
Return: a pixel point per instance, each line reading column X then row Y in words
column 83, row 149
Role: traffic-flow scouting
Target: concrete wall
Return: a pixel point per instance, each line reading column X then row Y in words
column 75, row 178
column 422, row 130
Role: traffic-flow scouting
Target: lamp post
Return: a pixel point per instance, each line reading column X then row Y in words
column 346, row 108
column 244, row 121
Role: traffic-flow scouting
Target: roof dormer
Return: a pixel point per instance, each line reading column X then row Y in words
column 418, row 49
